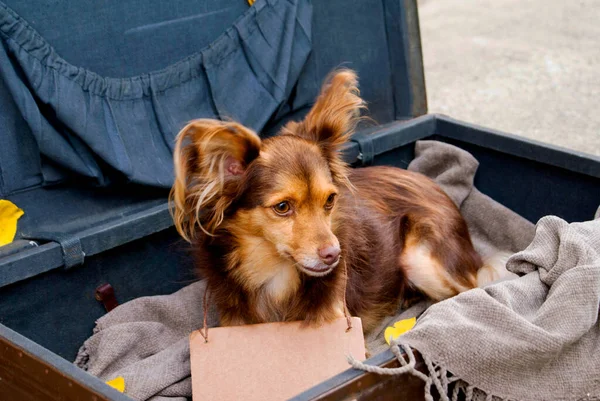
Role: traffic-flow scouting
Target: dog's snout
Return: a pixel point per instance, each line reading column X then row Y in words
column 329, row 254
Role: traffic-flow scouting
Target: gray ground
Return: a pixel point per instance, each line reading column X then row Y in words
column 531, row 68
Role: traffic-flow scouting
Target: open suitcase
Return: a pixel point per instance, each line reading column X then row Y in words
column 94, row 188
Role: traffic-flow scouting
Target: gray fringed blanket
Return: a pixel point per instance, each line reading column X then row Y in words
column 504, row 340
column 533, row 338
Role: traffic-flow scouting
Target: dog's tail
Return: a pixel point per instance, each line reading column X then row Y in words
column 494, row 269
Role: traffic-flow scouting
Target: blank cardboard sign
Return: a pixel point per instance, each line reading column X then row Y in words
column 271, row 361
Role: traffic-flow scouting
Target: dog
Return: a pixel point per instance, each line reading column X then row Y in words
column 284, row 230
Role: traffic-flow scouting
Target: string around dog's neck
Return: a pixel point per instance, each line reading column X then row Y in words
column 346, row 311
column 204, row 330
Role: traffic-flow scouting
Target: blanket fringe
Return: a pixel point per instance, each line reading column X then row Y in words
column 437, row 376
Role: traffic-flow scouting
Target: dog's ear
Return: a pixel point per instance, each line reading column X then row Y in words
column 333, row 118
column 210, row 159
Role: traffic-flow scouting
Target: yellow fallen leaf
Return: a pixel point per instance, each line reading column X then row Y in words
column 251, row 2
column 399, row 328
column 9, row 214
column 117, row 383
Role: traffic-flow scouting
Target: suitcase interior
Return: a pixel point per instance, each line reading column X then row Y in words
column 532, row 179
column 126, row 231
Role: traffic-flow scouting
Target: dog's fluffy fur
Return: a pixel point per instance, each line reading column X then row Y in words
column 259, row 211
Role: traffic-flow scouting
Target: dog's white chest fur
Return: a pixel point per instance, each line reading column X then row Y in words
column 272, row 278
column 284, row 282
column 277, row 290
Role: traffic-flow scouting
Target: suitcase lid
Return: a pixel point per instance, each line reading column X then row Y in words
column 87, row 155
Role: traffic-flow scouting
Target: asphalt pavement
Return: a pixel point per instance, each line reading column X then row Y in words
column 530, row 68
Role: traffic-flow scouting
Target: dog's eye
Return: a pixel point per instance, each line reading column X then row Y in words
column 282, row 208
column 330, row 201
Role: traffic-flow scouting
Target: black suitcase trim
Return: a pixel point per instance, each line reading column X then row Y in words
column 32, row 262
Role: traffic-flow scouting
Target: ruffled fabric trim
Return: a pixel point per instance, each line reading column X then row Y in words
column 95, row 125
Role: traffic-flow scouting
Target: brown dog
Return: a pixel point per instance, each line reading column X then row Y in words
column 278, row 222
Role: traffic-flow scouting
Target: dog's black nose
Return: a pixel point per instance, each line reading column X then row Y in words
column 329, row 254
